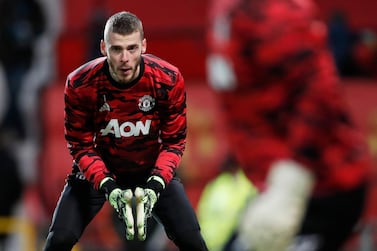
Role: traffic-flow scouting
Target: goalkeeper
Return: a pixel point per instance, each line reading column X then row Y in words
column 125, row 125
column 287, row 124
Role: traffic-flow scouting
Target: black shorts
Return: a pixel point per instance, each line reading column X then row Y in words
column 79, row 203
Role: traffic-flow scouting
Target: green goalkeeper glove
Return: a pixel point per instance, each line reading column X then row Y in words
column 121, row 201
column 145, row 201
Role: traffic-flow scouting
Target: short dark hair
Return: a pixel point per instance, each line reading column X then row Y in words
column 124, row 23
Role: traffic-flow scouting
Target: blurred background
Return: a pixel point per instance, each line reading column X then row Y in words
column 41, row 41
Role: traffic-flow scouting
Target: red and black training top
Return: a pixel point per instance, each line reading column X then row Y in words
column 121, row 130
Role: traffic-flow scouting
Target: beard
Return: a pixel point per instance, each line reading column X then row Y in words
column 124, row 74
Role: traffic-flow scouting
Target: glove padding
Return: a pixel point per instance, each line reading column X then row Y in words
column 274, row 217
column 149, row 200
column 145, row 201
column 121, row 201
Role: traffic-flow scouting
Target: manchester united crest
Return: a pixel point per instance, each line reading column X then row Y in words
column 146, row 103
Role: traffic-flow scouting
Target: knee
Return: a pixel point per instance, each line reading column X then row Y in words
column 60, row 240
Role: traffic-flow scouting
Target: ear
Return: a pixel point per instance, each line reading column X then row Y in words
column 103, row 48
column 144, row 46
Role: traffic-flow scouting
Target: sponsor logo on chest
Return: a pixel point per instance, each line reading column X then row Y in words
column 126, row 129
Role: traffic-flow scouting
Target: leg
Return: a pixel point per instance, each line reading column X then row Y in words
column 330, row 221
column 175, row 212
column 77, row 206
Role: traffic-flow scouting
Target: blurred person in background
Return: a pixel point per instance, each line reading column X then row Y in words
column 22, row 24
column 11, row 185
column 288, row 125
column 96, row 24
column 342, row 40
column 125, row 125
column 365, row 53
column 219, row 201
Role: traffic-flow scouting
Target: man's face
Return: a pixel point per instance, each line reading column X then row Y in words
column 124, row 55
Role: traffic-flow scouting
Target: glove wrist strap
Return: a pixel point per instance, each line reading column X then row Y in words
column 107, row 185
column 156, row 183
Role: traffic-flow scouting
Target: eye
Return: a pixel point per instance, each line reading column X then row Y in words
column 116, row 49
column 133, row 48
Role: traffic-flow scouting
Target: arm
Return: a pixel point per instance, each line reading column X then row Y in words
column 79, row 132
column 173, row 131
column 271, row 220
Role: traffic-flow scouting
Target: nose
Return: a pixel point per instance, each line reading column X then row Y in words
column 124, row 56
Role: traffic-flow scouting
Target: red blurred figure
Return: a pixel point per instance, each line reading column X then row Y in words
column 287, row 124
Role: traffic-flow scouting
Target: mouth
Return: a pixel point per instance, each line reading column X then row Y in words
column 125, row 71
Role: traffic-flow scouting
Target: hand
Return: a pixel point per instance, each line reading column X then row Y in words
column 274, row 217
column 145, row 202
column 150, row 199
column 121, row 201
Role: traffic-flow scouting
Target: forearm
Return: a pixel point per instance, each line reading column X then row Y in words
column 93, row 168
column 166, row 163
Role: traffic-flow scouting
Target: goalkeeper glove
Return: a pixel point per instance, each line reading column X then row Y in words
column 145, row 201
column 273, row 218
column 121, row 201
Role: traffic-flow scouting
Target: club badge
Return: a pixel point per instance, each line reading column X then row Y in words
column 146, row 103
